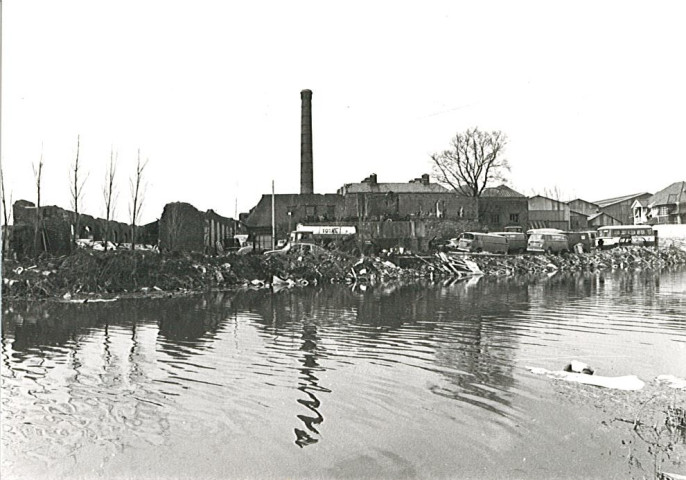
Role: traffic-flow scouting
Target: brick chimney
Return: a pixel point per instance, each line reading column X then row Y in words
column 425, row 179
column 306, row 176
column 371, row 179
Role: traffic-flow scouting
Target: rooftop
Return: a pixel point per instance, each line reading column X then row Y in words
column 611, row 201
column 394, row 187
column 675, row 193
column 371, row 185
column 500, row 191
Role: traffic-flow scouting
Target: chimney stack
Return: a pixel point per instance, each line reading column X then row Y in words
column 306, row 181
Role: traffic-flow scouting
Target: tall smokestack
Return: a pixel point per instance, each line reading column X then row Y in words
column 306, row 182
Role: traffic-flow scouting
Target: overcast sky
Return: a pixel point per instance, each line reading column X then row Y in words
column 592, row 95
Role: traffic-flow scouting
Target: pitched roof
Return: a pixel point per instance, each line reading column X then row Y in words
column 561, row 202
column 500, row 191
column 611, row 201
column 415, row 187
column 581, row 200
column 675, row 193
column 593, row 217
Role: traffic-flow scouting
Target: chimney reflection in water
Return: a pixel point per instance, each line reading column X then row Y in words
column 309, row 385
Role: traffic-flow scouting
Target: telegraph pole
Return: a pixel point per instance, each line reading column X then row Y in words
column 273, row 220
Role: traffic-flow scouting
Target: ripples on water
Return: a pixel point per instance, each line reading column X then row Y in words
column 405, row 380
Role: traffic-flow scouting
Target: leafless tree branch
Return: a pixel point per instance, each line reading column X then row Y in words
column 76, row 189
column 473, row 162
column 137, row 197
column 37, row 223
column 109, row 194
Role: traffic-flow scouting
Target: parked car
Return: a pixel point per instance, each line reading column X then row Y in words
column 548, row 243
column 481, row 242
column 297, row 249
column 439, row 244
column 245, row 250
column 516, row 241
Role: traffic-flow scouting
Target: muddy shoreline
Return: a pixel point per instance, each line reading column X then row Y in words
column 101, row 275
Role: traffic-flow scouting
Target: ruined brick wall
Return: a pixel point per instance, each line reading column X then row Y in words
column 56, row 228
column 182, row 228
column 378, row 206
column 389, row 234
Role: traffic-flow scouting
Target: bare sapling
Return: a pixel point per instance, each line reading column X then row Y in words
column 5, row 213
column 76, row 191
column 38, row 217
column 109, row 195
column 137, row 197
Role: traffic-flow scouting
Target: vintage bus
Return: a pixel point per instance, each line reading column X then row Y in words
column 618, row 235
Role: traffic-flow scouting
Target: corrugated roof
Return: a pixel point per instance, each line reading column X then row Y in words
column 599, row 214
column 675, row 193
column 611, row 201
column 581, row 200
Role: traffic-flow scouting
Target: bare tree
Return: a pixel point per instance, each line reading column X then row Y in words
column 76, row 190
column 109, row 194
column 5, row 214
column 137, row 197
column 38, row 218
column 474, row 161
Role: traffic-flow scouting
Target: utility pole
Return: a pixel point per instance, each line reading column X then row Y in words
column 273, row 220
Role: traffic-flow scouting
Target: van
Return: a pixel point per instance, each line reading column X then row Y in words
column 516, row 241
column 481, row 242
column 541, row 242
column 585, row 239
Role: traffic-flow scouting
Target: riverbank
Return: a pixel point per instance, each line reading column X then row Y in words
column 86, row 273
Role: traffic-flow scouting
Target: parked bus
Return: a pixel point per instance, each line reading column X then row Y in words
column 481, row 242
column 617, row 235
column 322, row 234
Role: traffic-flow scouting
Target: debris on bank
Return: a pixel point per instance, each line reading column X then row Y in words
column 87, row 273
column 626, row 382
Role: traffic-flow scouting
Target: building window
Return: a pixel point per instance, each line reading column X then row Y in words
column 309, row 211
column 495, row 218
column 664, row 211
column 514, row 217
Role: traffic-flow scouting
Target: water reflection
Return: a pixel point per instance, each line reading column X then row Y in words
column 309, row 385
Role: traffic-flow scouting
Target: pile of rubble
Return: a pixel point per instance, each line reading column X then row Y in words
column 134, row 272
column 624, row 258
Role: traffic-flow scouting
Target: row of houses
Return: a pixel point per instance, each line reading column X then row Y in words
column 668, row 206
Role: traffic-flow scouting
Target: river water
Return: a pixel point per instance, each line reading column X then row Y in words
column 422, row 380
